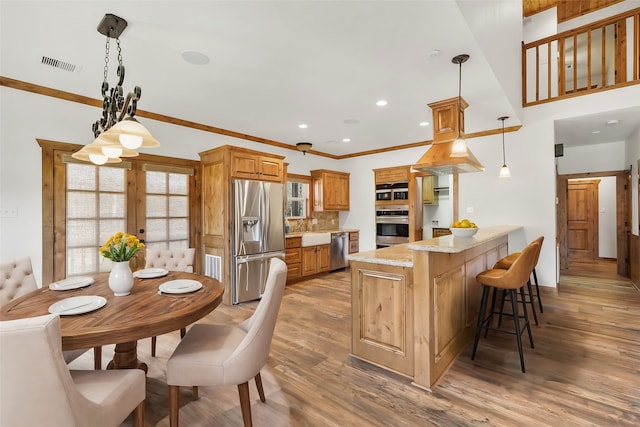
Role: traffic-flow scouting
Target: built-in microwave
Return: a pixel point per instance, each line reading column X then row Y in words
column 388, row 192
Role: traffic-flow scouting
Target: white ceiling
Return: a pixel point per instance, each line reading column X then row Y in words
column 276, row 64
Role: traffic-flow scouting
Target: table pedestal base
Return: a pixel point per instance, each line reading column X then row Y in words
column 126, row 357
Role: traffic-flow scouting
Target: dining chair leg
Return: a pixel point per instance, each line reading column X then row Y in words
column 138, row 415
column 174, row 408
column 97, row 358
column 183, row 332
column 491, row 311
column 260, row 389
column 153, row 346
column 245, row 404
column 194, row 392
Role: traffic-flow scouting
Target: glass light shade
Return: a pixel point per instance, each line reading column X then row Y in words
column 504, row 172
column 93, row 153
column 111, row 146
column 112, row 152
column 98, row 159
column 459, row 148
column 131, row 134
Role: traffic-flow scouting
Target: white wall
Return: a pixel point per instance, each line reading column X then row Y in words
column 593, row 158
column 527, row 198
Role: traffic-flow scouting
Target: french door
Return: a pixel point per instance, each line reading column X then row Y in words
column 151, row 197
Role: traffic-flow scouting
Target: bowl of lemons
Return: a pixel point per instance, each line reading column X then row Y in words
column 463, row 228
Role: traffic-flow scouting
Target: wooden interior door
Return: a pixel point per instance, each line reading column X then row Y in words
column 582, row 219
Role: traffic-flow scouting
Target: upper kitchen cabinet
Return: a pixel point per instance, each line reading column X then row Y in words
column 330, row 190
column 249, row 164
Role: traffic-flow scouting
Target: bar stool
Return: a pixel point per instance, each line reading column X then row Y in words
column 510, row 280
column 506, row 263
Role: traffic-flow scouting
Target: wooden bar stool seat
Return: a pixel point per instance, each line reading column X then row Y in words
column 511, row 280
column 506, row 263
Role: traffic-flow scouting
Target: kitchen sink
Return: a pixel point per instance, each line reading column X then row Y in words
column 314, row 239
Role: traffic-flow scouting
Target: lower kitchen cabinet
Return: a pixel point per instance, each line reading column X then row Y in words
column 315, row 259
column 354, row 242
column 293, row 257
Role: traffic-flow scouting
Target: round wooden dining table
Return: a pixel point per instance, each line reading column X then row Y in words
column 123, row 320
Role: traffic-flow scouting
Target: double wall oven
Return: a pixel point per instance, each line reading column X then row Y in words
column 392, row 225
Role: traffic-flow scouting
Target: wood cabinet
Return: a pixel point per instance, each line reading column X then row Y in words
column 253, row 165
column 402, row 174
column 219, row 166
column 382, row 315
column 392, row 175
column 330, row 190
column 439, row 232
column 315, row 259
column 354, row 242
column 429, row 194
column 293, row 257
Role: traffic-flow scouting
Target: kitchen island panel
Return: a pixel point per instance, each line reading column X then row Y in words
column 382, row 315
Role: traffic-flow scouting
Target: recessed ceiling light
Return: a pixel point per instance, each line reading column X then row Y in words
column 195, row 58
column 350, row 121
column 346, row 139
column 595, row 132
column 381, row 103
column 613, row 122
column 303, row 126
column 424, row 123
column 434, row 53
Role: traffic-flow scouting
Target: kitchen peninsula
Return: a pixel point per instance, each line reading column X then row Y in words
column 415, row 305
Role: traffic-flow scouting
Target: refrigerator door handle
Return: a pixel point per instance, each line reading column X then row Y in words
column 249, row 258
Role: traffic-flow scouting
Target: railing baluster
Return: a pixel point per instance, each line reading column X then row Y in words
column 613, row 50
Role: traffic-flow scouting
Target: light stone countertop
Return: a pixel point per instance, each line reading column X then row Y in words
column 335, row 230
column 398, row 255
column 401, row 255
column 453, row 244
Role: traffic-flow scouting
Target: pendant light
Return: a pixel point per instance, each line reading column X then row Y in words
column 459, row 146
column 117, row 133
column 304, row 147
column 504, row 170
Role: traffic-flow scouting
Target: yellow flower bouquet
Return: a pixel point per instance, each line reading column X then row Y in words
column 121, row 247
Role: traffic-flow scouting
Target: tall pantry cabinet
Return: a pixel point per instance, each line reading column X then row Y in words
column 219, row 166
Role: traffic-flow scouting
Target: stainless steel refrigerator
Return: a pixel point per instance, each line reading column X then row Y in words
column 257, row 233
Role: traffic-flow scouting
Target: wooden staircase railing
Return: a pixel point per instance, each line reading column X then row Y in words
column 599, row 56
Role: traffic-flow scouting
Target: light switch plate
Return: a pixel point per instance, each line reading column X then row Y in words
column 8, row 212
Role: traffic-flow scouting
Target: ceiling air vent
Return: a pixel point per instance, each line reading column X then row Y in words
column 58, row 64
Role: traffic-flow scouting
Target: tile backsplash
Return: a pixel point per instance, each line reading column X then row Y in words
column 323, row 221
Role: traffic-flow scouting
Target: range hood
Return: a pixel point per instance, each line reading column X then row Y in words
column 446, row 121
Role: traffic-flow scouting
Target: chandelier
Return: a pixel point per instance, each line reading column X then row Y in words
column 117, row 133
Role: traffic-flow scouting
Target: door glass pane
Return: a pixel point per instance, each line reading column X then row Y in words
column 95, row 210
column 167, row 215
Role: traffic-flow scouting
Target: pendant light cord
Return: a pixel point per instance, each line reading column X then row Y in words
column 504, row 161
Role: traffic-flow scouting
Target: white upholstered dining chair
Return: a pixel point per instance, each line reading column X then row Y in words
column 211, row 355
column 171, row 260
column 16, row 279
column 38, row 389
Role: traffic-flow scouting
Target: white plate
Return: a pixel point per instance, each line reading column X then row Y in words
column 150, row 273
column 180, row 286
column 69, row 283
column 77, row 305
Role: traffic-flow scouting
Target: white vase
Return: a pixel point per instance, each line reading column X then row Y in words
column 121, row 278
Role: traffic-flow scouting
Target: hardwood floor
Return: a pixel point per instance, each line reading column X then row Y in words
column 584, row 369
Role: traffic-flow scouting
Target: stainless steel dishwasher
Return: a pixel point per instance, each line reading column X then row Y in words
column 339, row 250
